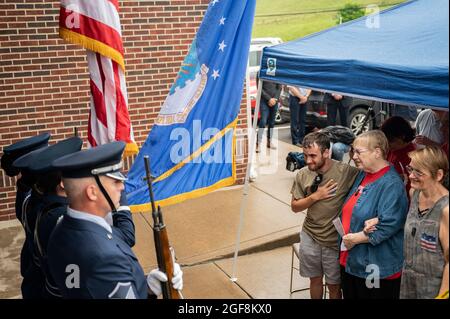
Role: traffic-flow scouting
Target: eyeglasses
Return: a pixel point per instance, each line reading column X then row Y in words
column 412, row 170
column 359, row 151
column 315, row 185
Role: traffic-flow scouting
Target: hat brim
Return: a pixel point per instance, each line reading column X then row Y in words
column 117, row 176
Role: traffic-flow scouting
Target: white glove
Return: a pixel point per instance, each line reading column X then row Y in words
column 156, row 276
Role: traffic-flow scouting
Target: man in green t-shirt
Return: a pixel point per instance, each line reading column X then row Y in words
column 320, row 188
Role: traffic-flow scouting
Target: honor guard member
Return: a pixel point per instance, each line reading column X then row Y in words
column 14, row 161
column 54, row 205
column 25, row 181
column 87, row 257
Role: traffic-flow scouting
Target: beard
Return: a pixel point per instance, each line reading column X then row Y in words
column 317, row 166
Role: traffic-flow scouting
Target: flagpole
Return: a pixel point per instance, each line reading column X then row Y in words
column 252, row 137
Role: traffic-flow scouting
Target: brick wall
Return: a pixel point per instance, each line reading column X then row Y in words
column 44, row 82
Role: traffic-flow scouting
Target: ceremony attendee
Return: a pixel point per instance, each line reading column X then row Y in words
column 425, row 270
column 54, row 205
column 320, row 188
column 270, row 95
column 429, row 128
column 375, row 258
column 87, row 257
column 25, row 181
column 14, row 162
column 298, row 99
column 337, row 103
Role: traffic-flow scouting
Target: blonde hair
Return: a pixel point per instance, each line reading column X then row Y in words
column 430, row 158
column 375, row 139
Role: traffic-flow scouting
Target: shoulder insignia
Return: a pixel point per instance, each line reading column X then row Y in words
column 123, row 290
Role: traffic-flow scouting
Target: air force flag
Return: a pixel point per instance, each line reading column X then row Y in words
column 192, row 143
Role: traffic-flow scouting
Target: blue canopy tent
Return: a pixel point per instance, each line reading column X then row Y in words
column 400, row 56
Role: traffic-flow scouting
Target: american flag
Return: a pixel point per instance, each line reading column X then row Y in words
column 95, row 25
column 428, row 242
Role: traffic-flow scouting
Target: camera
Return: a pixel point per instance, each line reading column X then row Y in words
column 295, row 161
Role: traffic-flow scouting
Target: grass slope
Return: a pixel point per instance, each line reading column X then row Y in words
column 295, row 26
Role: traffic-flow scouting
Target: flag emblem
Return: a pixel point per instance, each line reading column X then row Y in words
column 187, row 90
column 428, row 242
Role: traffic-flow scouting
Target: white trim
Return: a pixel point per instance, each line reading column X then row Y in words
column 107, row 169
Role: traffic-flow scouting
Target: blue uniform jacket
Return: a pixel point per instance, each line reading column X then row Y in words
column 386, row 199
column 33, row 279
column 22, row 198
column 87, row 261
column 55, row 207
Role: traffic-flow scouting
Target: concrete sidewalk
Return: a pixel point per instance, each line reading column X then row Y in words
column 203, row 232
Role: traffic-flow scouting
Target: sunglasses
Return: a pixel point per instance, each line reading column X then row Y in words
column 315, row 185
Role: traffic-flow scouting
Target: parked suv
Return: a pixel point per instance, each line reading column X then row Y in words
column 316, row 112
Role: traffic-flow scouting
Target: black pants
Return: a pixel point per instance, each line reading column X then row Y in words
column 298, row 119
column 355, row 288
column 332, row 109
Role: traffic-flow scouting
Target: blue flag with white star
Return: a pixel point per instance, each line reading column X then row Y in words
column 192, row 143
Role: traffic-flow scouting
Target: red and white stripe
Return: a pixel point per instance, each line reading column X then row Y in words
column 428, row 245
column 109, row 113
column 95, row 24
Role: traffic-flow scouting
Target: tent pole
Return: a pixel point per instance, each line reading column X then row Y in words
column 252, row 138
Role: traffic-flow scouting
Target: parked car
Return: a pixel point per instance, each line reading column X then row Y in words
column 316, row 114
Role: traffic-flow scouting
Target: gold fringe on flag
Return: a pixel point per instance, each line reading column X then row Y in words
column 130, row 149
column 93, row 45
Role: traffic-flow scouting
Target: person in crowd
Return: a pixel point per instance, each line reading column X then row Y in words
column 429, row 128
column 270, row 95
column 320, row 188
column 425, row 269
column 298, row 99
column 400, row 136
column 337, row 103
column 98, row 255
column 371, row 263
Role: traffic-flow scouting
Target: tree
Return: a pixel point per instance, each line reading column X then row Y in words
column 350, row 11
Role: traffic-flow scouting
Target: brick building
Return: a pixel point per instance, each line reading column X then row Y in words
column 44, row 82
